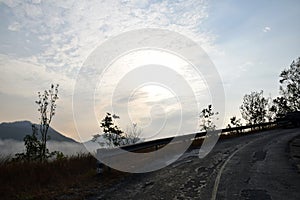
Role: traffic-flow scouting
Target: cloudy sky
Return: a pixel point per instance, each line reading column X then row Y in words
column 44, row 42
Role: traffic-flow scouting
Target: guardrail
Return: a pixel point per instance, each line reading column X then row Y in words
column 156, row 144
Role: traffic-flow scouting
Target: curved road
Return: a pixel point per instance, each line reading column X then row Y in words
column 256, row 166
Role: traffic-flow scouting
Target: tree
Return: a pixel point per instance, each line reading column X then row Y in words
column 270, row 110
column 207, row 117
column 46, row 106
column 111, row 132
column 132, row 134
column 114, row 135
column 254, row 109
column 234, row 122
column 289, row 89
column 32, row 147
column 36, row 149
column 280, row 106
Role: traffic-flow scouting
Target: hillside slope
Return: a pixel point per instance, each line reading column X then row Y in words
column 18, row 130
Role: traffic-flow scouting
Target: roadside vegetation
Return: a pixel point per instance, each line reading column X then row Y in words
column 38, row 173
column 45, row 180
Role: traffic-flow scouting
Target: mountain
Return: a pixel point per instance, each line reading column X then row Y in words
column 18, row 130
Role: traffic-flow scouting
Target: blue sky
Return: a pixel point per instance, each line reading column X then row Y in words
column 258, row 39
column 42, row 42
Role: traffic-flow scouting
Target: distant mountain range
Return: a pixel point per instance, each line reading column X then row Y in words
column 18, row 130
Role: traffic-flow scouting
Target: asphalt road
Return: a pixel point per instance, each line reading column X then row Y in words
column 256, row 166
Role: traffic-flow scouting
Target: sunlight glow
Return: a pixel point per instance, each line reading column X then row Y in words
column 123, row 89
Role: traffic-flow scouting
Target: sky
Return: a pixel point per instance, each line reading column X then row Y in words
column 44, row 42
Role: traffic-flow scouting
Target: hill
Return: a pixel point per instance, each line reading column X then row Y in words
column 18, row 130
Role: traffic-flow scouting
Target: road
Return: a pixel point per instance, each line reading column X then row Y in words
column 256, row 166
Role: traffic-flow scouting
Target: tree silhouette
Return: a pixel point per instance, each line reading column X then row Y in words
column 289, row 89
column 112, row 133
column 234, row 122
column 132, row 134
column 254, row 109
column 32, row 147
column 46, row 106
column 37, row 149
column 207, row 117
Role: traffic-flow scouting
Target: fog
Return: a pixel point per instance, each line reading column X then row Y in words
column 11, row 147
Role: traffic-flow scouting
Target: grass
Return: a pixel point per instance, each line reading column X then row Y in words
column 35, row 180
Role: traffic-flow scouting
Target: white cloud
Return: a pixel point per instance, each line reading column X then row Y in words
column 267, row 29
column 12, row 3
column 14, row 26
column 245, row 66
column 75, row 28
column 22, row 77
column 33, row 10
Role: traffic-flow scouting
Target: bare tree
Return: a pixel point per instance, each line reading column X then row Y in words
column 133, row 134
